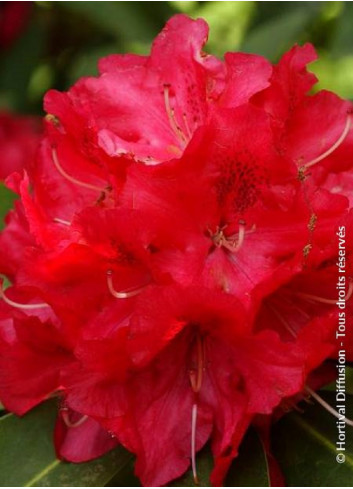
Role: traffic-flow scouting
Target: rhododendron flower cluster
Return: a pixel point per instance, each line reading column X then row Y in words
column 172, row 255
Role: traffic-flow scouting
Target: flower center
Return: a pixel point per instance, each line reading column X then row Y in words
column 231, row 243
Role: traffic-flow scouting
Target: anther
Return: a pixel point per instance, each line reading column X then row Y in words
column 18, row 305
column 70, row 178
column 339, row 141
column 193, row 442
column 68, row 422
column 171, row 115
column 53, row 119
column 124, row 294
column 323, row 300
column 231, row 243
column 327, row 406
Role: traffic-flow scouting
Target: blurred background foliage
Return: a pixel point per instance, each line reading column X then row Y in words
column 61, row 41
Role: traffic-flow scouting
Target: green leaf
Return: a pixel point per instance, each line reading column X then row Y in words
column 6, row 201
column 249, row 469
column 122, row 20
column 274, row 36
column 343, row 40
column 349, row 382
column 305, row 446
column 18, row 64
column 125, row 477
column 204, row 465
column 27, row 456
column 228, row 23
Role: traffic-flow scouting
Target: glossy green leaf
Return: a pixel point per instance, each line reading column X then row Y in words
column 274, row 36
column 27, row 455
column 125, row 477
column 122, row 20
column 250, row 468
column 6, row 200
column 204, row 464
column 18, row 64
column 305, row 446
column 343, row 40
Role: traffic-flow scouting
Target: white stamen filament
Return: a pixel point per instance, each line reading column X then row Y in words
column 70, row 178
column 18, row 305
column 124, row 294
column 171, row 115
column 333, row 147
column 327, row 406
column 62, row 221
column 69, row 423
column 326, row 301
column 287, row 326
column 193, row 442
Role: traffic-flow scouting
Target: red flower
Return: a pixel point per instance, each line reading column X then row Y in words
column 173, row 252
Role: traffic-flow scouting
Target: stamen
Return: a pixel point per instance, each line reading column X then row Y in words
column 71, row 179
column 285, row 323
column 193, row 442
column 326, row 301
column 238, row 244
column 124, row 294
column 333, row 147
column 231, row 243
column 61, row 221
column 18, row 305
column 68, row 422
column 171, row 116
column 327, row 406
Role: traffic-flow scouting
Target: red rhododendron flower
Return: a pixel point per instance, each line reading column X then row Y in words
column 172, row 255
